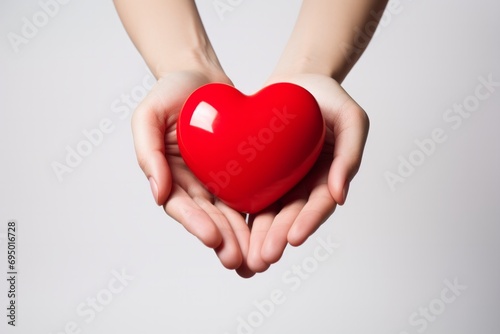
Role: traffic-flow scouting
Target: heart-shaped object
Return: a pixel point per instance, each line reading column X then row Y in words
column 250, row 150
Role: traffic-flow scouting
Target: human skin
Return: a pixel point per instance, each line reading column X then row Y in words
column 320, row 53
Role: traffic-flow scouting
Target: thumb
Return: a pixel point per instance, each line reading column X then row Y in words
column 148, row 128
column 349, row 124
column 350, row 132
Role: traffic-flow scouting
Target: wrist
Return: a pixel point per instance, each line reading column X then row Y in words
column 169, row 35
column 199, row 59
column 327, row 37
column 297, row 63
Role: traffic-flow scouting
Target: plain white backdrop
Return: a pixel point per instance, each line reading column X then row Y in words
column 97, row 256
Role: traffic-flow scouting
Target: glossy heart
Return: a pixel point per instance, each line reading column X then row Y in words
column 250, row 150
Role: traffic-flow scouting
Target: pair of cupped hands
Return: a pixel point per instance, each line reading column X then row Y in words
column 249, row 245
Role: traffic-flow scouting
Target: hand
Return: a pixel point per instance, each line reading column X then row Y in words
column 170, row 36
column 302, row 210
column 172, row 183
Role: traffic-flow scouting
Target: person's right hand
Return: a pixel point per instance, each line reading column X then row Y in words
column 173, row 185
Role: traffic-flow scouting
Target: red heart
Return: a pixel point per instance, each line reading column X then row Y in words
column 250, row 150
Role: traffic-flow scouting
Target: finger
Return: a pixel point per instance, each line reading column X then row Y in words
column 350, row 131
column 244, row 271
column 350, row 125
column 195, row 220
column 155, row 117
column 315, row 212
column 200, row 218
column 260, row 225
column 242, row 233
column 276, row 238
column 148, row 128
column 228, row 251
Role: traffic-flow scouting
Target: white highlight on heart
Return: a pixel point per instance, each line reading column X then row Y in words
column 203, row 117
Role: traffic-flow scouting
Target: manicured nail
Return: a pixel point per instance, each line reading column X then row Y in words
column 154, row 188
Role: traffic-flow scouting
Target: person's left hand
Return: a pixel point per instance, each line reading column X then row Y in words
column 301, row 211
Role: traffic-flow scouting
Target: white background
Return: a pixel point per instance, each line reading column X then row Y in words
column 396, row 248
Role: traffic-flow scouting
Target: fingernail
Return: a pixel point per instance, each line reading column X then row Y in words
column 346, row 190
column 154, row 188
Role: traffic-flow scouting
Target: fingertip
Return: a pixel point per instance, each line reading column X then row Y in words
column 154, row 188
column 256, row 264
column 345, row 191
column 196, row 221
column 211, row 237
column 230, row 259
column 251, row 265
column 157, row 171
column 301, row 231
column 317, row 210
column 337, row 182
column 155, row 167
column 161, row 174
column 296, row 239
column 272, row 253
column 245, row 272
